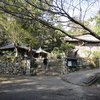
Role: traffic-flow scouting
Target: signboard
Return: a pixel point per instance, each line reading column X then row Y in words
column 71, row 62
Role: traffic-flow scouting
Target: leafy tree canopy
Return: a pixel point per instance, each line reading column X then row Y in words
column 51, row 13
column 96, row 23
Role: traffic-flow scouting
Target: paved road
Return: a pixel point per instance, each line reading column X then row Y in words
column 44, row 88
column 86, row 77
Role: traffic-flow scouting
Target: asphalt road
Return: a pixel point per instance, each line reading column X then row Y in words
column 44, row 88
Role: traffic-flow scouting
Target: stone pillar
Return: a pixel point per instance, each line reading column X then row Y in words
column 27, row 66
column 64, row 71
column 99, row 62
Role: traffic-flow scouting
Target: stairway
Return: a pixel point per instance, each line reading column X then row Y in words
column 54, row 68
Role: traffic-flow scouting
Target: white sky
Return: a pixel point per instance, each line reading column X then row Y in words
column 89, row 9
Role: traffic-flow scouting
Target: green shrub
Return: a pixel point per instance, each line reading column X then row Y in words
column 60, row 51
column 96, row 54
column 93, row 62
column 55, row 49
column 7, row 52
column 59, row 56
column 7, row 58
column 33, row 67
column 67, row 48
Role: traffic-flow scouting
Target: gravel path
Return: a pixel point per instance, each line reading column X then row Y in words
column 44, row 88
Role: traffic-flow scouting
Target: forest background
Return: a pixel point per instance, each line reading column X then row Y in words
column 45, row 23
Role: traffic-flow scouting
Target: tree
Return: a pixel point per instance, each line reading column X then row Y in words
column 45, row 37
column 14, row 33
column 12, row 30
column 3, row 32
column 68, row 49
column 70, row 10
column 96, row 23
column 76, row 29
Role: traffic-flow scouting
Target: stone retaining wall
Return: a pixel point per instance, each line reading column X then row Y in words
column 82, row 64
column 18, row 66
column 15, row 67
column 58, row 66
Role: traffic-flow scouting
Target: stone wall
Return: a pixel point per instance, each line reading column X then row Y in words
column 58, row 66
column 14, row 66
column 21, row 66
column 82, row 64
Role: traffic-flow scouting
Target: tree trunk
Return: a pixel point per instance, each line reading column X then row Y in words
column 83, row 43
column 16, row 51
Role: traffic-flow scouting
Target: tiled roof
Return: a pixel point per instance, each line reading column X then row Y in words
column 11, row 46
column 83, row 37
column 41, row 50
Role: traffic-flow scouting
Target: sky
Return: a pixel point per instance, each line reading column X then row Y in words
column 79, row 8
column 89, row 8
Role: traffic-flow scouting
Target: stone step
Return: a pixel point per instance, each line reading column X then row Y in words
column 47, row 70
column 48, row 74
column 54, row 68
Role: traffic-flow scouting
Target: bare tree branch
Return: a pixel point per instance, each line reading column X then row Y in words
column 55, row 7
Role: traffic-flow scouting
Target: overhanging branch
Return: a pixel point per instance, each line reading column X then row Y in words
column 61, row 12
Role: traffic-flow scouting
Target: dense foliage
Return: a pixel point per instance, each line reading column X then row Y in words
column 44, row 23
